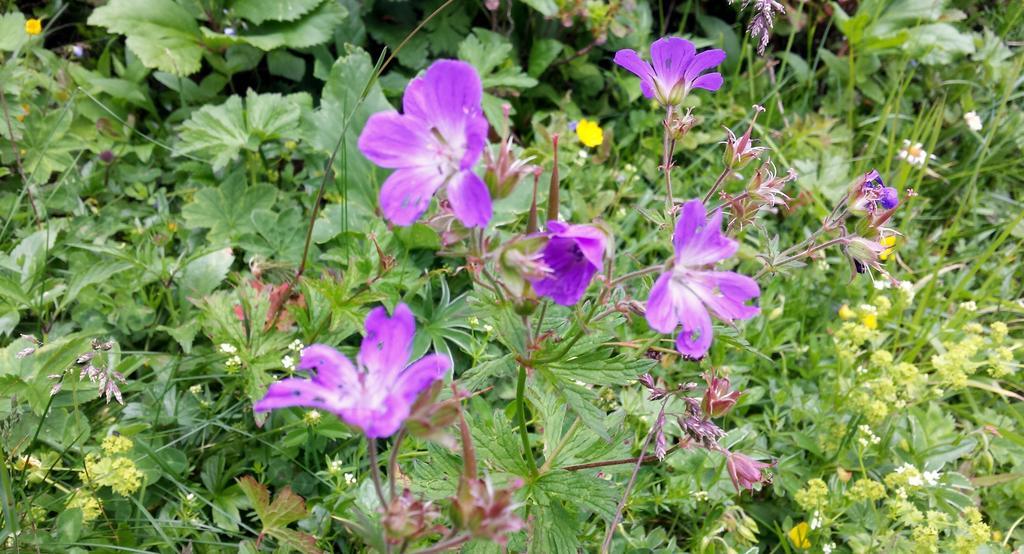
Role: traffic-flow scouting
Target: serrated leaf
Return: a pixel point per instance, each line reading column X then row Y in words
column 316, row 27
column 258, row 11
column 226, row 210
column 554, row 530
column 286, row 508
column 219, row 133
column 12, row 31
column 162, row 33
column 581, row 490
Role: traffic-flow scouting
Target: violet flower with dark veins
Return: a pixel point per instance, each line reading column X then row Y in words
column 690, row 292
column 675, row 69
column 574, row 254
column 377, row 395
column 435, row 142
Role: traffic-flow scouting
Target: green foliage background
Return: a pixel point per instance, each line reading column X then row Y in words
column 219, row 118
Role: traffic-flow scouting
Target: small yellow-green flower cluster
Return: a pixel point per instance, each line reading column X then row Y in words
column 968, row 348
column 965, row 535
column 111, row 468
column 866, row 490
column 813, row 495
column 90, row 505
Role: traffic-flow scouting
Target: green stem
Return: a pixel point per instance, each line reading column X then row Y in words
column 521, row 411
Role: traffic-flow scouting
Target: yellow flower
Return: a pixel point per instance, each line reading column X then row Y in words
column 798, row 534
column 846, row 313
column 870, row 321
column 889, row 243
column 33, row 26
column 589, row 133
column 116, row 444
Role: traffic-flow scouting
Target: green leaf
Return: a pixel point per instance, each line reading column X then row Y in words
column 286, row 508
column 12, row 31
column 581, row 490
column 546, row 7
column 351, row 77
column 205, row 273
column 554, row 531
column 226, row 210
column 542, row 55
column 259, row 11
column 219, row 133
column 316, row 27
column 161, row 33
column 284, row 64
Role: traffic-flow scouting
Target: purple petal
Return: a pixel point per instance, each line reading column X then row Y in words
column 387, row 346
column 726, row 294
column 384, row 422
column 392, row 140
column 700, row 242
column 420, row 375
column 446, row 96
column 670, row 57
column 571, row 271
column 710, row 81
column 646, row 89
column 470, row 199
column 591, row 240
column 661, row 312
column 297, row 392
column 329, row 367
column 695, row 338
column 632, row 62
column 703, row 62
column 406, row 193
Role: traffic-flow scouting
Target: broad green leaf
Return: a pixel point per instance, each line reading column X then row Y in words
column 259, row 11
column 12, row 31
column 205, row 273
column 286, row 508
column 548, row 8
column 554, row 530
column 351, row 77
column 285, row 64
column 219, row 133
column 581, row 490
column 316, row 27
column 162, row 33
column 542, row 54
column 226, row 210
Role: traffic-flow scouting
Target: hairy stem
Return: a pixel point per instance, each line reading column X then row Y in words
column 393, row 461
column 606, row 545
column 521, row 414
column 668, row 146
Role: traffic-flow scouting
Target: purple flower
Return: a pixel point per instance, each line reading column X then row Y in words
column 874, row 193
column 378, row 395
column 574, row 253
column 675, row 69
column 435, row 142
column 685, row 294
column 744, row 471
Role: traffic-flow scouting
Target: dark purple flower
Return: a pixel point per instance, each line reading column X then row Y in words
column 574, row 253
column 675, row 69
column 685, row 294
column 435, row 142
column 744, row 471
column 873, row 194
column 377, row 396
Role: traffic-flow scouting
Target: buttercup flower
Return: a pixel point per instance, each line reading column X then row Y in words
column 675, row 69
column 435, row 142
column 798, row 534
column 589, row 133
column 574, row 253
column 744, row 471
column 973, row 121
column 685, row 294
column 34, row 26
column 375, row 397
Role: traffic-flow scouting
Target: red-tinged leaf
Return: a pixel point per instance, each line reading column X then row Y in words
column 286, row 508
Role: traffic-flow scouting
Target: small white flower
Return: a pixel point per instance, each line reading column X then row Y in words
column 312, row 417
column 969, row 306
column 350, row 479
column 973, row 121
column 932, row 477
column 915, row 481
column 907, row 288
column 882, row 284
column 228, row 348
column 233, row 361
column 914, row 154
column 196, row 389
column 296, row 346
column 868, row 309
column 488, row 328
column 190, row 496
column 335, row 466
column 904, row 468
column 229, row 31
column 816, row 520
column 288, row 363
column 828, row 548
column 583, row 154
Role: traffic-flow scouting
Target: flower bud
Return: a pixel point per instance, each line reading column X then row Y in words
column 744, row 471
column 486, row 512
column 740, row 152
column 407, row 518
column 718, row 400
